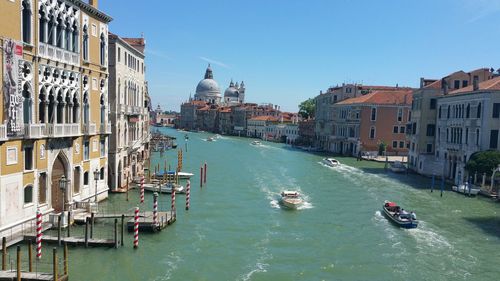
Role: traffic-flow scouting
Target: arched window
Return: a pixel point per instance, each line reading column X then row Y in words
column 103, row 109
column 28, row 194
column 26, row 18
column 478, row 115
column 372, row 132
column 74, row 38
column 26, row 104
column 85, row 44
column 52, row 29
column 101, row 174
column 67, row 36
column 86, row 178
column 86, row 117
column 59, row 32
column 42, row 27
column 103, row 49
column 76, row 180
column 76, row 109
column 52, row 102
column 41, row 106
column 60, row 108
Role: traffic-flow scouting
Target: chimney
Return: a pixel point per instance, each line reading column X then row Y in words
column 94, row 3
column 475, row 83
column 421, row 82
column 444, row 86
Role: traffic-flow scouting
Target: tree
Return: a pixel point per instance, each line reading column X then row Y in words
column 483, row 162
column 382, row 147
column 307, row 108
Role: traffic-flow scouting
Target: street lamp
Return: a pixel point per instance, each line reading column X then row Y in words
column 96, row 178
column 62, row 185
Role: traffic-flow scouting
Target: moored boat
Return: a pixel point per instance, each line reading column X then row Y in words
column 399, row 215
column 466, row 189
column 181, row 175
column 332, row 162
column 256, row 143
column 166, row 188
column 397, row 167
column 210, row 139
column 291, row 199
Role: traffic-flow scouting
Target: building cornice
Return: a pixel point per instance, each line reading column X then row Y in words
column 91, row 10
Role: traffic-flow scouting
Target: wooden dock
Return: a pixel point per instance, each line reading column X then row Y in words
column 8, row 275
column 146, row 222
column 80, row 218
column 76, row 241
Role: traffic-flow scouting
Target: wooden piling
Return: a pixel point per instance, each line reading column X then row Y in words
column 65, row 259
column 69, row 224
column 205, row 173
column 59, row 230
column 30, row 256
column 86, row 232
column 116, row 233
column 201, row 176
column 92, row 225
column 127, row 187
column 123, row 228
column 4, row 253
column 54, row 264
column 18, row 263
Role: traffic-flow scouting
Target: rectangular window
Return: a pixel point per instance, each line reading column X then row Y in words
column 372, row 132
column 400, row 114
column 86, row 150
column 402, row 129
column 395, row 129
column 28, row 158
column 374, row 114
column 401, row 144
column 103, row 148
column 414, row 128
column 465, row 83
column 431, row 130
column 394, row 144
column 119, row 54
column 125, row 57
column 496, row 110
column 494, row 139
column 94, row 30
column 429, row 148
column 456, row 84
column 433, row 104
column 42, row 188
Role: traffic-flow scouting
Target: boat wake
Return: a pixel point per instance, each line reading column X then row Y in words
column 171, row 264
column 261, row 264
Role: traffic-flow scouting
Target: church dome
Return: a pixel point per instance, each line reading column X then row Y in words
column 231, row 91
column 207, row 86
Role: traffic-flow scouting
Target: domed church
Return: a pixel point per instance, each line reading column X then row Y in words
column 207, row 89
column 235, row 94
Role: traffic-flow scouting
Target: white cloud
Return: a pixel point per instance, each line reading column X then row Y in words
column 157, row 54
column 209, row 60
column 481, row 8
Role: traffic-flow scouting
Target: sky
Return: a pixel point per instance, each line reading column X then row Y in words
column 286, row 51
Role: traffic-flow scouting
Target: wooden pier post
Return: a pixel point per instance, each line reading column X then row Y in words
column 127, row 186
column 59, row 230
column 123, row 227
column 205, row 174
column 86, row 232
column 4, row 253
column 30, row 256
column 201, row 176
column 18, row 263
column 54, row 265
column 69, row 224
column 91, row 225
column 65, row 258
column 116, row 233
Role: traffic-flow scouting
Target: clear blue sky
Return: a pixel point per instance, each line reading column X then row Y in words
column 287, row 51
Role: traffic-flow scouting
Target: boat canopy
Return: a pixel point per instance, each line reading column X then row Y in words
column 390, row 204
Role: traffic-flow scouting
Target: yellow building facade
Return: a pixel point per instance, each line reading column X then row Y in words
column 54, row 123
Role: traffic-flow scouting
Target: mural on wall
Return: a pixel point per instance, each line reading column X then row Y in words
column 12, row 87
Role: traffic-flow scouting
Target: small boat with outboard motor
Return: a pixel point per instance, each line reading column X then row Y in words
column 399, row 215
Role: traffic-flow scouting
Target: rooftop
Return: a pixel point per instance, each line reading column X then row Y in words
column 385, row 97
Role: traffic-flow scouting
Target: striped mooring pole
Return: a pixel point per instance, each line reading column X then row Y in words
column 38, row 234
column 142, row 189
column 155, row 209
column 173, row 198
column 188, row 188
column 136, row 227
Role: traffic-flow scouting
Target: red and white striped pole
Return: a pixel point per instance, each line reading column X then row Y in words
column 142, row 189
column 188, row 187
column 173, row 198
column 136, row 227
column 155, row 209
column 205, row 173
column 38, row 234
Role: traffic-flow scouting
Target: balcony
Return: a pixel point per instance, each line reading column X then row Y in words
column 3, row 132
column 105, row 128
column 63, row 130
column 89, row 129
column 35, row 131
column 54, row 53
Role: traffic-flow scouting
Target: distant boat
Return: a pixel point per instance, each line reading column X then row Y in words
column 216, row 136
column 397, row 167
column 399, row 215
column 256, row 143
column 291, row 199
column 210, row 139
column 332, row 162
column 166, row 188
column 464, row 189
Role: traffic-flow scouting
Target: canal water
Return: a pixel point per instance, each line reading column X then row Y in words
column 236, row 230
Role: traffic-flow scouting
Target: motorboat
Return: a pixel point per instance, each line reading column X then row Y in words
column 399, row 215
column 181, row 175
column 210, row 139
column 256, row 143
column 291, row 199
column 397, row 167
column 216, row 136
column 466, row 189
column 165, row 188
column 332, row 162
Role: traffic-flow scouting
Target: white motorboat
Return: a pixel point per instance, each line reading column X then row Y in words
column 332, row 162
column 210, row 139
column 291, row 199
column 464, row 189
column 166, row 188
column 256, row 143
column 216, row 136
column 181, row 175
column 397, row 167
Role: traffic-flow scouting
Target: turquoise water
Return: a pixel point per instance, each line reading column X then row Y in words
column 236, row 230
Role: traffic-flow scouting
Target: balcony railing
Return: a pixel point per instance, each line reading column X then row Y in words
column 54, row 53
column 89, row 129
column 3, row 132
column 63, row 130
column 35, row 131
